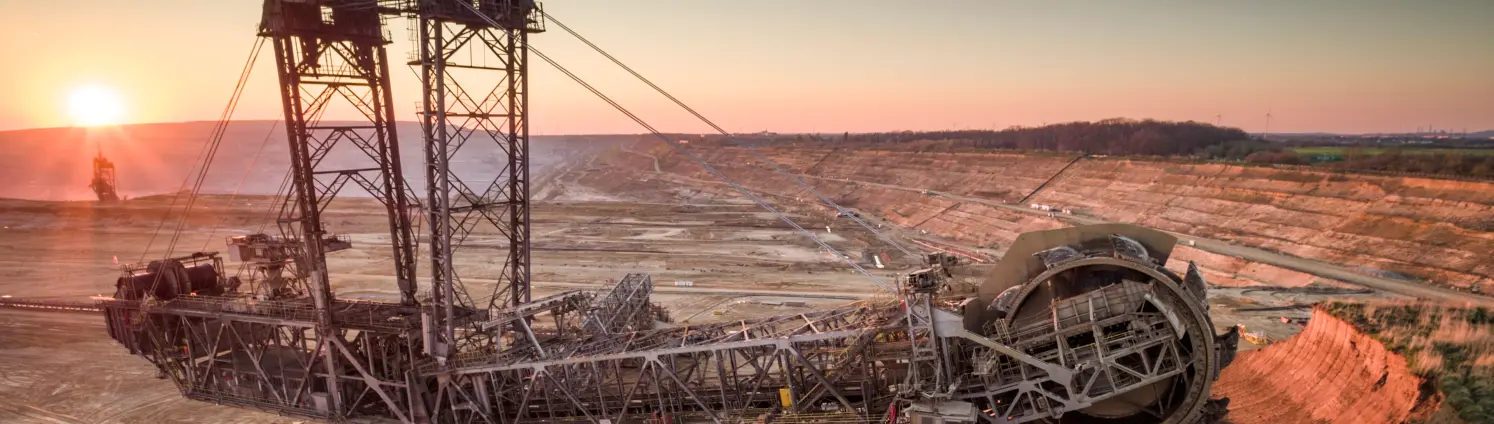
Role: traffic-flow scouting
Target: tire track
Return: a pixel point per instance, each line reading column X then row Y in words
column 38, row 414
column 148, row 404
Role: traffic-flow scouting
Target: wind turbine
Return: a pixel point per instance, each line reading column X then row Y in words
column 1268, row 125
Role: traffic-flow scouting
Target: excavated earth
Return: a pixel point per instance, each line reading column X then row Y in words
column 1329, row 373
column 1413, row 228
column 1435, row 230
column 609, row 208
column 1421, row 230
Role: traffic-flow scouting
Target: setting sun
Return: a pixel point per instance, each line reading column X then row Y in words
column 95, row 105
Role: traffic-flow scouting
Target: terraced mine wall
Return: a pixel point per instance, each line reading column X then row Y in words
column 1329, row 373
column 1421, row 228
column 886, row 183
column 1430, row 229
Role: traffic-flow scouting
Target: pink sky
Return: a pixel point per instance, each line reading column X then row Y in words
column 841, row 65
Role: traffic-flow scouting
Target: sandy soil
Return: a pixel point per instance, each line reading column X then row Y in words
column 62, row 368
column 1419, row 230
column 594, row 219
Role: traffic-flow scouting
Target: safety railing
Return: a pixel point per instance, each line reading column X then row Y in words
column 347, row 313
column 252, row 401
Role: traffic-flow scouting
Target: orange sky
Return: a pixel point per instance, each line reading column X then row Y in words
column 841, row 65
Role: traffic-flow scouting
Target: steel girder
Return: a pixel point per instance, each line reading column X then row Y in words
column 623, row 306
column 475, row 104
column 311, row 356
column 103, row 183
column 704, row 371
column 1167, row 304
column 331, row 55
column 272, row 356
column 858, row 360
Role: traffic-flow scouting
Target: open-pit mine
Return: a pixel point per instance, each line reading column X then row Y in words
column 459, row 270
column 605, row 208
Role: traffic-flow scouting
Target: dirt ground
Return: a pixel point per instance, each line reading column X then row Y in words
column 63, row 368
column 1336, row 374
column 743, row 262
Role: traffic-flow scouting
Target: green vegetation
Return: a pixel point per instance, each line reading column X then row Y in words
column 1471, row 395
column 1346, row 150
column 1474, row 163
column 1117, row 136
column 1151, row 138
column 1451, row 347
column 1425, row 161
column 1237, row 149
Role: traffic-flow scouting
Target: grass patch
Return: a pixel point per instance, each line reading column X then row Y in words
column 1452, row 347
column 1344, row 150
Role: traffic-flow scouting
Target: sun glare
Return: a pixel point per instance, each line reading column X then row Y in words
column 94, row 106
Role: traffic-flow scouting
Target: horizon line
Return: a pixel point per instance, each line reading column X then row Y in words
column 74, row 127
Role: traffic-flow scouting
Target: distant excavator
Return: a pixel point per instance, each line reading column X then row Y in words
column 103, row 179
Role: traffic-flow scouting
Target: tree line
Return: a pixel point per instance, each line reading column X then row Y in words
column 1128, row 137
column 1121, row 137
column 1396, row 160
column 1107, row 137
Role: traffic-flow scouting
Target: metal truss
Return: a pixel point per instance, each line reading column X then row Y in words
column 704, row 371
column 1079, row 328
column 624, row 306
column 858, row 360
column 282, row 351
column 1125, row 348
column 331, row 54
column 272, row 356
column 1144, row 334
column 103, row 183
column 51, row 305
column 475, row 105
column 861, row 362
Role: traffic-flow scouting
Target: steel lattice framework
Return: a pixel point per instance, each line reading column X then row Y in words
column 1086, row 352
column 329, row 55
column 295, row 348
column 1080, row 322
column 103, row 183
column 269, row 353
column 475, row 102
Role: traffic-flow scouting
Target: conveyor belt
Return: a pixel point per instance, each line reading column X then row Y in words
column 51, row 305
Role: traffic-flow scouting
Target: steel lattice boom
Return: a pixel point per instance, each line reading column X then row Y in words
column 1081, row 324
column 475, row 102
column 1136, row 343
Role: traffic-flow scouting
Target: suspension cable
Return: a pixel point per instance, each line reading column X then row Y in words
column 775, row 166
column 201, row 153
column 210, row 150
column 677, row 147
column 280, row 194
column 242, row 179
column 215, row 142
column 265, row 217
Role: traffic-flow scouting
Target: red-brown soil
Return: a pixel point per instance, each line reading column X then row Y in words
column 1429, row 229
column 1437, row 230
column 1329, row 373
